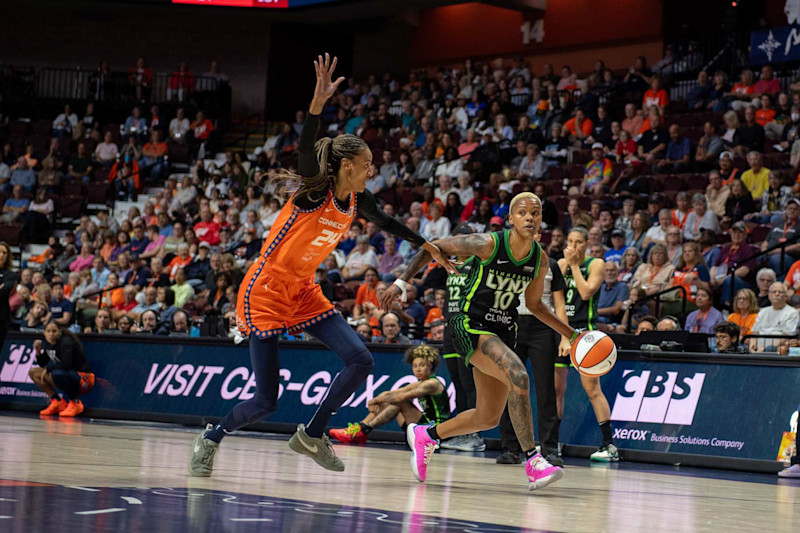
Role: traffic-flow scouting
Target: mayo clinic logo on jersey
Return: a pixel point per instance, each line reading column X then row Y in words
column 16, row 366
column 658, row 397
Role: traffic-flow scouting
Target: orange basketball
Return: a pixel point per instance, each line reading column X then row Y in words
column 593, row 353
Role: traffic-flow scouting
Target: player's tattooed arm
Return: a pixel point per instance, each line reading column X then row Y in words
column 477, row 244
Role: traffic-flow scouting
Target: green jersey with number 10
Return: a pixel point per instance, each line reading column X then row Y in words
column 491, row 292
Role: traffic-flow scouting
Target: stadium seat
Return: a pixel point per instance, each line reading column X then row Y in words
column 759, row 233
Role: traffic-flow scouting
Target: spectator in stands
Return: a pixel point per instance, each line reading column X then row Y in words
column 179, row 127
column 80, row 166
column 731, row 254
column 743, row 91
column 201, row 129
column 785, row 230
column 618, row 247
column 745, row 307
column 139, row 242
column 701, row 218
column 709, row 147
column 657, row 233
column 674, row 246
column 696, row 97
column 135, row 126
column 706, row 317
column 740, row 202
column 717, row 194
column 360, row 259
column 612, row 294
column 125, row 325
column 597, row 174
column 764, row 280
column 773, row 202
column 655, row 275
column 106, row 152
column 750, row 134
column 84, row 259
column 677, row 157
column 390, row 260
column 148, row 302
column 141, row 77
column 668, row 323
column 128, row 303
column 366, row 298
column 438, row 226
column 207, row 230
column 154, row 157
column 180, row 84
column 727, row 336
column 158, row 277
column 15, row 206
column 767, row 84
column 716, row 95
column 655, row 96
column 632, row 122
column 778, row 319
column 631, row 260
column 102, row 323
column 653, row 142
column 691, row 273
column 533, row 165
column 65, row 122
column 578, row 128
column 61, row 309
column 21, row 174
column 390, row 330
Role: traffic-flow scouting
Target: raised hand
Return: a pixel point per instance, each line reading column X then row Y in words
column 325, row 84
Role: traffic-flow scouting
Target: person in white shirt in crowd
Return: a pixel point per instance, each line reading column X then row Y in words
column 106, row 152
column 438, row 226
column 777, row 319
column 179, row 126
column 533, row 165
column 65, row 123
column 700, row 218
column 360, row 258
column 465, row 190
column 445, row 188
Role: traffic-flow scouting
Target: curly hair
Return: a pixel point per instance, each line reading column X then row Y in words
column 429, row 353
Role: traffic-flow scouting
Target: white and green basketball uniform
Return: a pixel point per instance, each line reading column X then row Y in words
column 491, row 296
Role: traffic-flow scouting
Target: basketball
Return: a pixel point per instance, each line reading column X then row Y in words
column 593, row 353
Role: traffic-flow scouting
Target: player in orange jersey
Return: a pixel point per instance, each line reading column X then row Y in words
column 278, row 293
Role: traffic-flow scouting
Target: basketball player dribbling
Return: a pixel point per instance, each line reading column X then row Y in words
column 506, row 264
column 278, row 294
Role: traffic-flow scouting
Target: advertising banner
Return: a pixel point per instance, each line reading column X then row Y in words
column 775, row 45
column 724, row 410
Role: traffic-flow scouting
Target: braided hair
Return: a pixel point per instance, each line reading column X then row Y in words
column 330, row 152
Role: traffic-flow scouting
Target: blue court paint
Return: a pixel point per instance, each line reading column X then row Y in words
column 40, row 508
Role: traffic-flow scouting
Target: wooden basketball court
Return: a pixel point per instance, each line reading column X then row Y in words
column 83, row 475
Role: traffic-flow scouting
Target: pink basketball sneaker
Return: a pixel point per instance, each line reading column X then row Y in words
column 541, row 473
column 422, row 448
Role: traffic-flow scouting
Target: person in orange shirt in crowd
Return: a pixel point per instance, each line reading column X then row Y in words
column 366, row 298
column 201, row 127
column 655, row 96
column 141, row 77
column 578, row 128
column 153, row 157
column 682, row 209
column 652, row 111
column 632, row 123
column 746, row 310
column 179, row 261
column 181, row 83
column 742, row 90
column 435, row 312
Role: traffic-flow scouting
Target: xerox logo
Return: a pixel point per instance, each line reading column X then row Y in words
column 17, row 364
column 658, row 397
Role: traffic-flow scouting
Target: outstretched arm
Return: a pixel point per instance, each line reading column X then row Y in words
column 477, row 244
column 307, row 164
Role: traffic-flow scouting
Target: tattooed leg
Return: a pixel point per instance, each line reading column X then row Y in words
column 497, row 372
column 499, row 361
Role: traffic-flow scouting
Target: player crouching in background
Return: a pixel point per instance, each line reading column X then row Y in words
column 397, row 404
column 63, row 367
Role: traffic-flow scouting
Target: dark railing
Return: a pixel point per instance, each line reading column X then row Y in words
column 762, row 342
column 657, row 297
column 782, row 246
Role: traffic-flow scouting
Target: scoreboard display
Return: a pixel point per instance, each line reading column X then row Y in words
column 268, row 4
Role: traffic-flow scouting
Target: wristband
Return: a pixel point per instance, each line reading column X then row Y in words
column 402, row 286
column 575, row 335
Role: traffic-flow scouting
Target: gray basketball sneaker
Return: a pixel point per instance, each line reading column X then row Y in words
column 318, row 449
column 203, row 451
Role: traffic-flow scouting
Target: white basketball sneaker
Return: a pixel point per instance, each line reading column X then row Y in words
column 793, row 472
